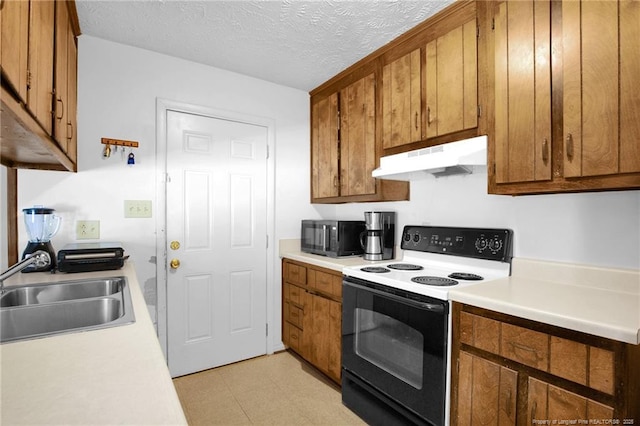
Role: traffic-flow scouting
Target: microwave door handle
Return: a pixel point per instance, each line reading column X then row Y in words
column 433, row 307
column 325, row 233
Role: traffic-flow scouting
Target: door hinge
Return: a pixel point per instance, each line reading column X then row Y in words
column 267, row 152
column 267, row 241
column 267, row 329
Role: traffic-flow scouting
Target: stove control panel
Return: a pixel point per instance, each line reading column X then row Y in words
column 480, row 243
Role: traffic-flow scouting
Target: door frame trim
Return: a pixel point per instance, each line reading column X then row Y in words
column 162, row 107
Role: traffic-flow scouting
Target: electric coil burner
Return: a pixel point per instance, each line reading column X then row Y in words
column 375, row 269
column 437, row 281
column 405, row 267
column 396, row 321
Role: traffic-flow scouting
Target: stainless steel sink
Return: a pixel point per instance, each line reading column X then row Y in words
column 47, row 293
column 42, row 310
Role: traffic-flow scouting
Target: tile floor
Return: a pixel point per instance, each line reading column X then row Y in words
column 278, row 389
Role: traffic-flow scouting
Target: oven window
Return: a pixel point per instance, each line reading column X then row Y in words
column 390, row 344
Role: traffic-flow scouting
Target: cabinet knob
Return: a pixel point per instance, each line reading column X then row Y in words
column 569, row 146
column 61, row 110
column 175, row 263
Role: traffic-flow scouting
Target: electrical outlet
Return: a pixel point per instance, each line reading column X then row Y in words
column 137, row 208
column 87, row 229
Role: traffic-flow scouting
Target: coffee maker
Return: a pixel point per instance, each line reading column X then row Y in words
column 41, row 226
column 378, row 241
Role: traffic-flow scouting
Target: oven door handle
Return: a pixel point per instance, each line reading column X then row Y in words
column 432, row 307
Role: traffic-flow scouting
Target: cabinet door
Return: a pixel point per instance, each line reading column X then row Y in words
column 358, row 138
column 324, row 148
column 401, row 101
column 522, row 91
column 65, row 82
column 548, row 402
column 600, row 87
column 451, row 76
column 487, row 392
column 72, row 97
column 14, row 18
column 326, row 335
column 40, row 82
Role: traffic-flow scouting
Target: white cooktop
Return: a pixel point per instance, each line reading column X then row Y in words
column 437, row 265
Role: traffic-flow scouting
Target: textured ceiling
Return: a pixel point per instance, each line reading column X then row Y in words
column 299, row 44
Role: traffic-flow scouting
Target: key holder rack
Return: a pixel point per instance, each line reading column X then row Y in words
column 108, row 142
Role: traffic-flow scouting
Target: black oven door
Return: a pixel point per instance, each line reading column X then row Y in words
column 394, row 346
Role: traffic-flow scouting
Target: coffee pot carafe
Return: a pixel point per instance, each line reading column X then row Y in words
column 378, row 241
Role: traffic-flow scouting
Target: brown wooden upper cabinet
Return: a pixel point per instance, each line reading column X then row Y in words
column 564, row 93
column 65, row 83
column 451, row 76
column 343, row 147
column 401, row 100
column 38, row 64
column 447, row 81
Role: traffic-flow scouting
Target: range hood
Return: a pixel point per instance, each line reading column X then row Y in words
column 439, row 160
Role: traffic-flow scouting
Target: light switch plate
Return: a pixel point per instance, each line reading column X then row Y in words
column 137, row 208
column 87, row 229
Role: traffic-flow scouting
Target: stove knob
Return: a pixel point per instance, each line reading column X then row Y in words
column 495, row 244
column 481, row 243
column 407, row 237
column 416, row 238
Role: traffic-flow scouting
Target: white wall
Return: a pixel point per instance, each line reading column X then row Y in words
column 600, row 228
column 118, row 86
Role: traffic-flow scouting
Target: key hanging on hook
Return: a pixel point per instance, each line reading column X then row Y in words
column 132, row 159
column 106, row 153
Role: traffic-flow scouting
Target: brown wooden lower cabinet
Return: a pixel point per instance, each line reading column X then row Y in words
column 312, row 315
column 512, row 371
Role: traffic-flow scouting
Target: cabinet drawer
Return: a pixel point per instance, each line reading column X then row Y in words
column 295, row 274
column 294, row 294
column 326, row 283
column 295, row 338
column 293, row 314
column 525, row 346
column 483, row 333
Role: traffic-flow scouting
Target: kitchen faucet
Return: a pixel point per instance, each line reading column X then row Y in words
column 40, row 258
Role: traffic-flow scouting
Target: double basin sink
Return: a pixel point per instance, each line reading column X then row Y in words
column 40, row 310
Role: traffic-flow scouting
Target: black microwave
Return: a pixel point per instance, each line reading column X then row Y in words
column 332, row 238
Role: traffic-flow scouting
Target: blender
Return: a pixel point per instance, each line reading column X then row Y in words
column 41, row 226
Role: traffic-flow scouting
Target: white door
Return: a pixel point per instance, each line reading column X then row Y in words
column 217, row 231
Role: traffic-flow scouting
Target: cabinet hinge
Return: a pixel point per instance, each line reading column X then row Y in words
column 479, row 110
column 338, row 116
column 493, row 23
column 28, row 79
column 477, row 29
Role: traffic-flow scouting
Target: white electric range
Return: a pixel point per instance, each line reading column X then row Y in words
column 396, row 321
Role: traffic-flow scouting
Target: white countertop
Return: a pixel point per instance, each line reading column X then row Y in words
column 110, row 376
column 291, row 250
column 600, row 301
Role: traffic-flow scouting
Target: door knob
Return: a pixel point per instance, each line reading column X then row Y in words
column 175, row 263
column 175, row 245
